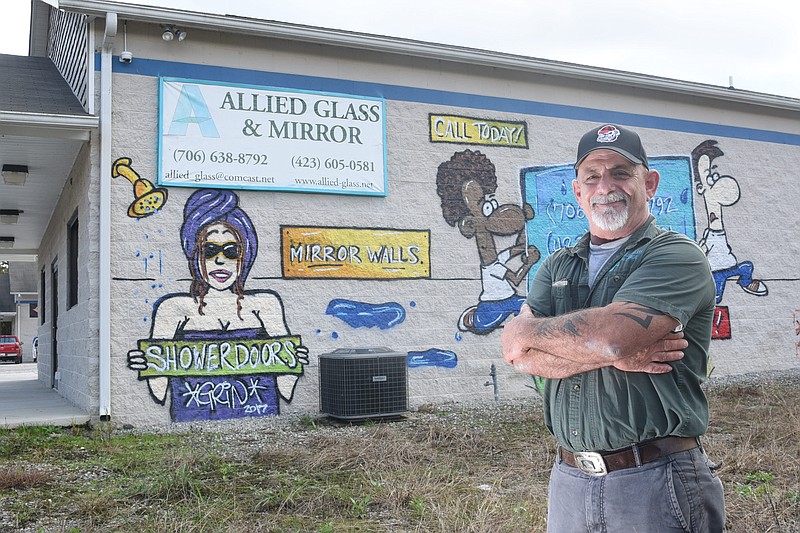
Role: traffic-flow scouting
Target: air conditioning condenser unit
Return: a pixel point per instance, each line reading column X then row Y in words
column 361, row 383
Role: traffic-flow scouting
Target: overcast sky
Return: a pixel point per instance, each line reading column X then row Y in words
column 706, row 41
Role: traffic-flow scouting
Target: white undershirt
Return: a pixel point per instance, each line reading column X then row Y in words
column 599, row 254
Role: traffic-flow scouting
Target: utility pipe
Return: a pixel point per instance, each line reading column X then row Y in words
column 104, row 296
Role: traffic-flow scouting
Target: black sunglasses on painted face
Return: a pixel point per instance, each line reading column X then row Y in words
column 228, row 249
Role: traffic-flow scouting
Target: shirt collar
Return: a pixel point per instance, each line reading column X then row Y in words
column 645, row 232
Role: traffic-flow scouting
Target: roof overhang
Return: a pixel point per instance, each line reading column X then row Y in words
column 73, row 127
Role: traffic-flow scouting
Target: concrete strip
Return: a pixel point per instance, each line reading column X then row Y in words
column 26, row 402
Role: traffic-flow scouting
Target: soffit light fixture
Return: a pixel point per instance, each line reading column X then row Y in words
column 172, row 33
column 6, row 242
column 9, row 216
column 15, row 174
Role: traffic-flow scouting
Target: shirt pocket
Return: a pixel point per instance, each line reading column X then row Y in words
column 562, row 294
column 612, row 283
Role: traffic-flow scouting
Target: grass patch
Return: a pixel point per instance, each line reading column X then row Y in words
column 21, row 477
column 442, row 468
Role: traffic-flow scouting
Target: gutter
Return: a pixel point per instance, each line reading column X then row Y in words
column 76, row 127
column 104, row 296
column 410, row 47
column 49, row 120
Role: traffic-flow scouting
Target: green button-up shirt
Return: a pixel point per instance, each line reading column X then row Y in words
column 606, row 409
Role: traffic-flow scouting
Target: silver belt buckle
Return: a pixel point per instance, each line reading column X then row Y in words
column 591, row 463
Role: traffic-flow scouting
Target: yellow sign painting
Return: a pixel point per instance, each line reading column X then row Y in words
column 364, row 253
column 469, row 130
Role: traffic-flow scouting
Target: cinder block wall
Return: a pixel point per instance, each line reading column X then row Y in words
column 77, row 360
column 756, row 322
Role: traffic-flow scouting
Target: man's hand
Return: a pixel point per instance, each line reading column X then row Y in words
column 526, row 358
column 655, row 357
column 514, row 335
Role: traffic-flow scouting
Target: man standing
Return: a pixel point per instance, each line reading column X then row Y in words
column 620, row 325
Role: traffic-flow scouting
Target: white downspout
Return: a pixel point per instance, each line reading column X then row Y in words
column 104, row 351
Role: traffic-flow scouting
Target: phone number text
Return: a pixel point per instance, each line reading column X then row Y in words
column 331, row 163
column 200, row 156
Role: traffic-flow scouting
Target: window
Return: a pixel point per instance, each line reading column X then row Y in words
column 42, row 299
column 72, row 261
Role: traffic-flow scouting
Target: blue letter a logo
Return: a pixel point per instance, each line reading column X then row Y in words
column 192, row 109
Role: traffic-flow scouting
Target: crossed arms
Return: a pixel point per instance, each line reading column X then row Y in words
column 625, row 335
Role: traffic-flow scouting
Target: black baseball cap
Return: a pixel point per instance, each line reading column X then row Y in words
column 616, row 138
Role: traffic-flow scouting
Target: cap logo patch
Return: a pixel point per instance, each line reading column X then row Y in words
column 607, row 134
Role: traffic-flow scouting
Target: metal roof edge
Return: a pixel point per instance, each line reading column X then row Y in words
column 429, row 50
column 75, row 122
column 75, row 127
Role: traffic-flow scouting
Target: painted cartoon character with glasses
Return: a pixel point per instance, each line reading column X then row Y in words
column 220, row 244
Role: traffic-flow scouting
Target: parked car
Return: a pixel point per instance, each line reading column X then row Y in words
column 10, row 348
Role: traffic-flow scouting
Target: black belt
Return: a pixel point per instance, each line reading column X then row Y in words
column 601, row 463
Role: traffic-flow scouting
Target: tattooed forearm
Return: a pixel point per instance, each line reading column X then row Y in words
column 641, row 315
column 564, row 325
column 571, row 326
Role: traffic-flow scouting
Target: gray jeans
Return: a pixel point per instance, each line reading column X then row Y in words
column 678, row 492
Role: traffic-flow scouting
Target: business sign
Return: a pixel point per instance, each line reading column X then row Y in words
column 355, row 253
column 246, row 137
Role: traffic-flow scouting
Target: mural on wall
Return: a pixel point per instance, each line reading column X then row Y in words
column 466, row 185
column 432, row 357
column 147, row 199
column 717, row 192
column 721, row 326
column 219, row 351
column 386, row 316
column 364, row 315
column 355, row 253
column 363, row 253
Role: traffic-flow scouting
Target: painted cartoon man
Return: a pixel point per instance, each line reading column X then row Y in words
column 718, row 192
column 467, row 184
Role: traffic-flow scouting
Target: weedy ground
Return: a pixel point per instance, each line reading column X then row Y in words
column 442, row 468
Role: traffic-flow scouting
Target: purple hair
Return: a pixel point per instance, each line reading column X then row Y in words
column 211, row 206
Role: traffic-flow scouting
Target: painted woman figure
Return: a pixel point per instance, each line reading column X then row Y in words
column 220, row 244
